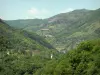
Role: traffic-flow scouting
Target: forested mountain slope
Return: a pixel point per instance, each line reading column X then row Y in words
column 22, row 52
column 74, row 27
column 23, row 39
column 83, row 60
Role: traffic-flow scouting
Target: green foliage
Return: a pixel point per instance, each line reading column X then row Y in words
column 22, row 52
column 84, row 60
column 26, row 53
column 3, row 43
column 23, row 40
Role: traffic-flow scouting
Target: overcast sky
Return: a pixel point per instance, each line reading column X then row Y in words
column 29, row 9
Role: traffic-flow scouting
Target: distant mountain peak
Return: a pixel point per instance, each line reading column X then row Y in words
column 98, row 9
column 80, row 10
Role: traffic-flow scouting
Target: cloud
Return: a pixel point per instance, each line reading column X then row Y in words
column 43, row 13
column 1, row 17
column 38, row 13
column 33, row 11
column 67, row 10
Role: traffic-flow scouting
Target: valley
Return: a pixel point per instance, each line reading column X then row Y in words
column 65, row 30
column 64, row 44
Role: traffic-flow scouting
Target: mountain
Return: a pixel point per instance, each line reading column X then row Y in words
column 74, row 27
column 26, row 53
column 23, row 40
column 65, row 30
column 27, row 24
column 22, row 52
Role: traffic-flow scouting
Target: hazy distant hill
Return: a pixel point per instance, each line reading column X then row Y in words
column 27, row 24
column 66, row 29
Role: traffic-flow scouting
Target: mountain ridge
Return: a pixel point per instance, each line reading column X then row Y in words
column 78, row 24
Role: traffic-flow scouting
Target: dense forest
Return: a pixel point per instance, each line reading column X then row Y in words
column 83, row 60
column 65, row 44
column 20, row 49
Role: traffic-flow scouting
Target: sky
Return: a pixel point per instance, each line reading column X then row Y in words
column 30, row 9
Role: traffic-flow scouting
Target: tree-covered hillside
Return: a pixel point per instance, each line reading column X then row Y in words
column 22, row 52
column 23, row 39
column 83, row 60
column 71, row 28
